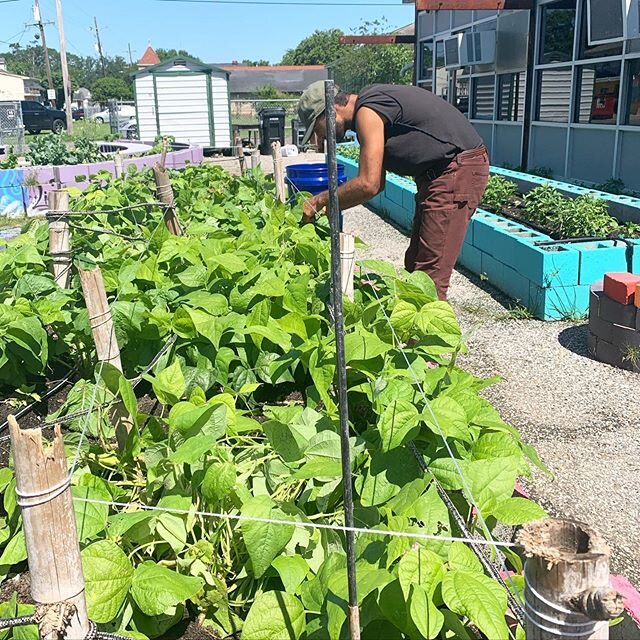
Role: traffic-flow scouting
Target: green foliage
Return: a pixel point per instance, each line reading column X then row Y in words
column 321, row 47
column 169, row 54
column 10, row 161
column 498, row 193
column 269, row 92
column 104, row 89
column 248, row 423
column 50, row 149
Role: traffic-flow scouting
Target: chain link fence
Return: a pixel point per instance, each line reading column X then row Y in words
column 11, row 128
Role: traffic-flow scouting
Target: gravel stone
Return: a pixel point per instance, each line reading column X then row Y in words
column 579, row 414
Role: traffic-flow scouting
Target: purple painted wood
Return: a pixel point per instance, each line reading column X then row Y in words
column 107, row 165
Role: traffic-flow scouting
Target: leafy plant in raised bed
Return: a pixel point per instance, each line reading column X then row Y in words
column 51, row 149
column 498, row 193
column 248, row 427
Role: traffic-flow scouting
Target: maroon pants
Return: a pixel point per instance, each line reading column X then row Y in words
column 444, row 206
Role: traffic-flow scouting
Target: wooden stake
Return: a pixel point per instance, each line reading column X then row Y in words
column 237, row 143
column 59, row 239
column 106, row 343
column 278, row 172
column 255, row 159
column 118, row 165
column 44, row 496
column 348, row 260
column 164, row 192
column 567, row 592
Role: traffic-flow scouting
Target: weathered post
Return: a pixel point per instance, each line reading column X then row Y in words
column 44, row 496
column 567, row 592
column 348, row 261
column 118, row 165
column 237, row 144
column 164, row 191
column 255, row 158
column 59, row 238
column 278, row 171
column 104, row 337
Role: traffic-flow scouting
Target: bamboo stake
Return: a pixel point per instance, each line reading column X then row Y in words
column 44, row 496
column 164, row 192
column 348, row 261
column 255, row 159
column 567, row 592
column 237, row 143
column 59, row 239
column 278, row 172
column 118, row 165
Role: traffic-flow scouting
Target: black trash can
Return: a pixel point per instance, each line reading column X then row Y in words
column 271, row 121
column 297, row 133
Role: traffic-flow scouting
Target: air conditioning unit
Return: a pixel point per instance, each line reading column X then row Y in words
column 612, row 20
column 478, row 48
column 452, row 51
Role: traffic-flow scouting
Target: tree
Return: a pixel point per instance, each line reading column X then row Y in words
column 169, row 54
column 321, row 47
column 256, row 63
column 104, row 89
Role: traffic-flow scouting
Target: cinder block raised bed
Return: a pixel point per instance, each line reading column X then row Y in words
column 551, row 280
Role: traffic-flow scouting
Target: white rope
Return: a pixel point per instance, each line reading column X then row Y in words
column 296, row 523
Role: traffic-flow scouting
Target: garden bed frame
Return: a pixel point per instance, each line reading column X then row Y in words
column 550, row 278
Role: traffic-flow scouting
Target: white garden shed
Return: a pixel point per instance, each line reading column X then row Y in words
column 185, row 99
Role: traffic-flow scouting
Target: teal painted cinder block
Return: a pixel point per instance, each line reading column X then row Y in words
column 559, row 303
column 468, row 237
column 598, row 258
column 635, row 262
column 471, row 258
column 548, row 266
column 409, row 199
column 493, row 270
column 394, row 192
column 515, row 285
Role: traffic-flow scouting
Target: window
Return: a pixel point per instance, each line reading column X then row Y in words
column 558, row 27
column 597, row 50
column 598, row 88
column 633, row 89
column 461, row 99
column 443, row 21
column 442, row 76
column 483, row 97
column 426, row 60
column 511, row 87
column 605, row 20
column 554, row 95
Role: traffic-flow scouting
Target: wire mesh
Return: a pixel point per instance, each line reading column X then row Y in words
column 11, row 126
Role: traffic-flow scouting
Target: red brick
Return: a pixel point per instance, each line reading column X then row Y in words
column 637, row 298
column 621, row 287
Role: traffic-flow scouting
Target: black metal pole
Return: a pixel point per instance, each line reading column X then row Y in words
column 333, row 211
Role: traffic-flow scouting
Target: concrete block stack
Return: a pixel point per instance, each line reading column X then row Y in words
column 614, row 320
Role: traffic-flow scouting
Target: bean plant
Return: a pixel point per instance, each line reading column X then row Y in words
column 240, row 418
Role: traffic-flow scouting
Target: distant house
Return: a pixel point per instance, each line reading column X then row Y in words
column 246, row 81
column 16, row 87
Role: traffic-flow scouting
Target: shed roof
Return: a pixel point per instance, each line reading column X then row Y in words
column 192, row 64
column 149, row 57
column 288, row 78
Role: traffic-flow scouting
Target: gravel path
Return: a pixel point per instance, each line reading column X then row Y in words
column 578, row 413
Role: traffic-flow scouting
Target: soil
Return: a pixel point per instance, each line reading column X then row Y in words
column 21, row 584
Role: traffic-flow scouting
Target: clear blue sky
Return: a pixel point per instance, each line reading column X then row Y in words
column 215, row 33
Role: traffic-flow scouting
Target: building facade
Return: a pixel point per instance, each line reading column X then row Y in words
column 556, row 87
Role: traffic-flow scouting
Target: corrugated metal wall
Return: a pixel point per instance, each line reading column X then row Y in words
column 220, row 102
column 146, row 107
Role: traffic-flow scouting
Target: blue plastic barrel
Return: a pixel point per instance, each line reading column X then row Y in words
column 312, row 177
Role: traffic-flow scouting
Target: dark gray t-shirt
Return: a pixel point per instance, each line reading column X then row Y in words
column 421, row 132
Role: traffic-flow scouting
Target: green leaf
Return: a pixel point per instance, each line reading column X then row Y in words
column 448, row 417
column 188, row 418
column 15, row 551
column 461, row 557
column 491, row 481
column 274, row 615
column 515, row 511
column 264, row 540
column 325, row 445
column 292, row 571
column 438, row 318
column 479, row 598
column 430, row 511
column 420, row 567
column 398, row 424
column 287, row 439
column 172, row 529
column 363, row 345
column 91, row 518
column 192, row 449
column 155, row 589
column 218, row 481
column 402, row 318
column 107, row 574
column 169, row 384
column 295, row 296
column 319, row 468
column 424, row 613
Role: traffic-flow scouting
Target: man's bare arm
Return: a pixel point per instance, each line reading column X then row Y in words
column 371, row 176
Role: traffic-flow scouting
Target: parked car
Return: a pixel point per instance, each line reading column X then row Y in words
column 36, row 118
column 129, row 130
column 125, row 112
column 77, row 113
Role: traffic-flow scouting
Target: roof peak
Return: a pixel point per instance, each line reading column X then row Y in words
column 149, row 58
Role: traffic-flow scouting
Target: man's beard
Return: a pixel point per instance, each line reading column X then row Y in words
column 340, row 131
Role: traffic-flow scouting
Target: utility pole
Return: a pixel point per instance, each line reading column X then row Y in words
column 65, row 69
column 37, row 16
column 99, row 44
column 130, row 56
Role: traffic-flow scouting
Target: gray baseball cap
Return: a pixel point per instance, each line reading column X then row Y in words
column 311, row 107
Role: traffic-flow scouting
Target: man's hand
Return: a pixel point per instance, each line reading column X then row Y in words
column 311, row 208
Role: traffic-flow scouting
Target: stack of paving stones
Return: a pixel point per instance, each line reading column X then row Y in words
column 614, row 320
